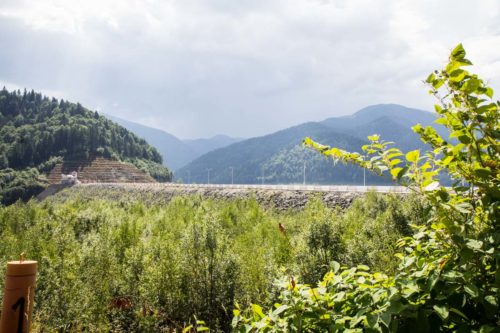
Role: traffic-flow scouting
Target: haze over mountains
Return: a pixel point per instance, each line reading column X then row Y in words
column 275, row 158
column 176, row 152
column 280, row 158
column 203, row 146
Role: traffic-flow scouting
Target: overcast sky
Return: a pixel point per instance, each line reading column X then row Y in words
column 196, row 68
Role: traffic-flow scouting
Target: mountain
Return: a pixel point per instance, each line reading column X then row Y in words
column 400, row 113
column 37, row 132
column 280, row 157
column 176, row 152
column 203, row 146
column 275, row 158
column 391, row 121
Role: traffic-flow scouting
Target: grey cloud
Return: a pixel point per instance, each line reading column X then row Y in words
column 242, row 68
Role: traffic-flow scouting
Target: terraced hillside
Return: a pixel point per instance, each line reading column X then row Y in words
column 100, row 170
column 38, row 132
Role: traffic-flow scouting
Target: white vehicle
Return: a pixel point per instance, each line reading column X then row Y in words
column 70, row 179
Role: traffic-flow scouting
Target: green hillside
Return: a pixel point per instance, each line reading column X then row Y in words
column 36, row 132
column 392, row 122
column 280, row 157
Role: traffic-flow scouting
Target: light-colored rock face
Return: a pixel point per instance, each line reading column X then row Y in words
column 159, row 193
column 99, row 170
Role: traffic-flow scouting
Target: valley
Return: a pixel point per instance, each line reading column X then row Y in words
column 280, row 158
column 320, row 227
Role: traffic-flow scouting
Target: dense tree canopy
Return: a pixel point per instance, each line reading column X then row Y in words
column 36, row 132
column 34, row 128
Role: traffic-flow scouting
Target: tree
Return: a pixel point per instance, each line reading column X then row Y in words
column 34, row 130
column 4, row 163
column 449, row 277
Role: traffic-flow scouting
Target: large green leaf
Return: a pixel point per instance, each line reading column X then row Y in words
column 442, row 311
column 413, row 156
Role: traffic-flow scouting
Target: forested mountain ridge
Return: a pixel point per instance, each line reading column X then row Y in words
column 36, row 132
column 280, row 158
column 275, row 158
column 392, row 122
column 34, row 128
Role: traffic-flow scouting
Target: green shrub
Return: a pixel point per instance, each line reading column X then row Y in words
column 155, row 170
column 125, row 265
column 19, row 185
column 48, row 165
column 448, row 276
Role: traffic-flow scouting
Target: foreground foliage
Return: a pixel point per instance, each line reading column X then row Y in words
column 124, row 265
column 448, row 278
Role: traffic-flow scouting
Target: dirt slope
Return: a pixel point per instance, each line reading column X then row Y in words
column 100, row 170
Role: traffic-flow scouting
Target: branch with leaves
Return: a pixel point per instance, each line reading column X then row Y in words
column 449, row 273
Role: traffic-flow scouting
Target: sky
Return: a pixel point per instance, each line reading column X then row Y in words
column 197, row 68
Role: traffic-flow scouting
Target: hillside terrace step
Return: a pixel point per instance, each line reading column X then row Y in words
column 99, row 170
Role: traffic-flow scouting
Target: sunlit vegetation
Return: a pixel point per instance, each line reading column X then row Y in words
column 388, row 263
column 124, row 266
column 448, row 278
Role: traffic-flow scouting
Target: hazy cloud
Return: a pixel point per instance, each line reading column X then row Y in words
column 244, row 68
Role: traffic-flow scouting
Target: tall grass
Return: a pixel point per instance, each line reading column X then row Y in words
column 123, row 266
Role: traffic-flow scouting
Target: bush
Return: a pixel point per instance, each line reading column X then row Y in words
column 19, row 185
column 155, row 170
column 48, row 165
column 448, row 276
column 124, row 265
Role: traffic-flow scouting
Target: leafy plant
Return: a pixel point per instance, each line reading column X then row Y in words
column 448, row 278
column 19, row 185
column 123, row 261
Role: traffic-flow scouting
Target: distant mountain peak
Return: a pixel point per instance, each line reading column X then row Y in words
column 388, row 109
column 279, row 157
column 219, row 136
column 176, row 152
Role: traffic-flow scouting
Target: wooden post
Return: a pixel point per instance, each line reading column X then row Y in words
column 18, row 296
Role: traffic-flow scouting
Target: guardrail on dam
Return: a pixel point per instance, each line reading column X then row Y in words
column 307, row 188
